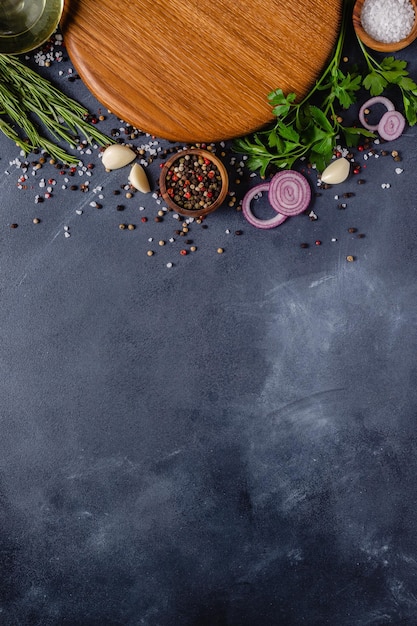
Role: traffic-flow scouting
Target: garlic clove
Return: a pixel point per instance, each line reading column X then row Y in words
column 116, row 156
column 336, row 172
column 139, row 179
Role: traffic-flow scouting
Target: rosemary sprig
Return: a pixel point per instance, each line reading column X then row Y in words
column 25, row 96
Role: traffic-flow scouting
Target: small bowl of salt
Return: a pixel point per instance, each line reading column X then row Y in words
column 385, row 25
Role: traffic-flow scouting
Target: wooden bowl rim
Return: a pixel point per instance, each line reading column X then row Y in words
column 380, row 46
column 223, row 173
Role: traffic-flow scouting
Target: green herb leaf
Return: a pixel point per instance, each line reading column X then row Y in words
column 407, row 84
column 288, row 132
column 375, row 83
column 393, row 64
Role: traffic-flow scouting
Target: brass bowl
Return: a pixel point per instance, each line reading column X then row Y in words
column 209, row 207
column 380, row 46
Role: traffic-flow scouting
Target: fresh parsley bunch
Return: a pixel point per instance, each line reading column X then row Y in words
column 391, row 72
column 312, row 128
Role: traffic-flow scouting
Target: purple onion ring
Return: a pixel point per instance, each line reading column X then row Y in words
column 376, row 100
column 249, row 216
column 391, row 125
column 289, row 193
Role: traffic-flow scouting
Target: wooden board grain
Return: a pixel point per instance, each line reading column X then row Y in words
column 188, row 70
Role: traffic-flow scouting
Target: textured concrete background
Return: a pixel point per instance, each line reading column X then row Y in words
column 230, row 441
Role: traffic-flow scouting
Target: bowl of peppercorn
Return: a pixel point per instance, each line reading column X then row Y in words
column 383, row 30
column 193, row 182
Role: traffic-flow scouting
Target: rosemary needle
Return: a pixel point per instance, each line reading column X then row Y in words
column 25, row 96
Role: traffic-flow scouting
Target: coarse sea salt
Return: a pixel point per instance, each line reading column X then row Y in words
column 387, row 21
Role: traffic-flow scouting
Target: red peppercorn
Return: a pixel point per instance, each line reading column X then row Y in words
column 318, row 242
column 183, row 252
column 144, row 219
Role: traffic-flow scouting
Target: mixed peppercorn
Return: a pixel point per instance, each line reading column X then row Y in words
column 193, row 182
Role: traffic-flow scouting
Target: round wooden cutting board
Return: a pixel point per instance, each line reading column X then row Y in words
column 188, row 70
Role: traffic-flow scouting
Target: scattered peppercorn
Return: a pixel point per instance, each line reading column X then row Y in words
column 350, row 258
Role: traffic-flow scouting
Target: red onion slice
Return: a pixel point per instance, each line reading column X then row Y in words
column 391, row 125
column 376, row 100
column 249, row 216
column 289, row 193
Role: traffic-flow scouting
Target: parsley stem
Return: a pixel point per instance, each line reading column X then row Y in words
column 337, row 54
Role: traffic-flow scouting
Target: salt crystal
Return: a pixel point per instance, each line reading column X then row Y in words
column 387, row 21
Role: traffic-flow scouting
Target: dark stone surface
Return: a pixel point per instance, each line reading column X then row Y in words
column 229, row 442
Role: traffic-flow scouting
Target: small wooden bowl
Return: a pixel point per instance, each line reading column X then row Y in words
column 210, row 207
column 379, row 46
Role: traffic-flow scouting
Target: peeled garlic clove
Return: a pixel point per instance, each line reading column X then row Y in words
column 336, row 172
column 116, row 156
column 138, row 178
